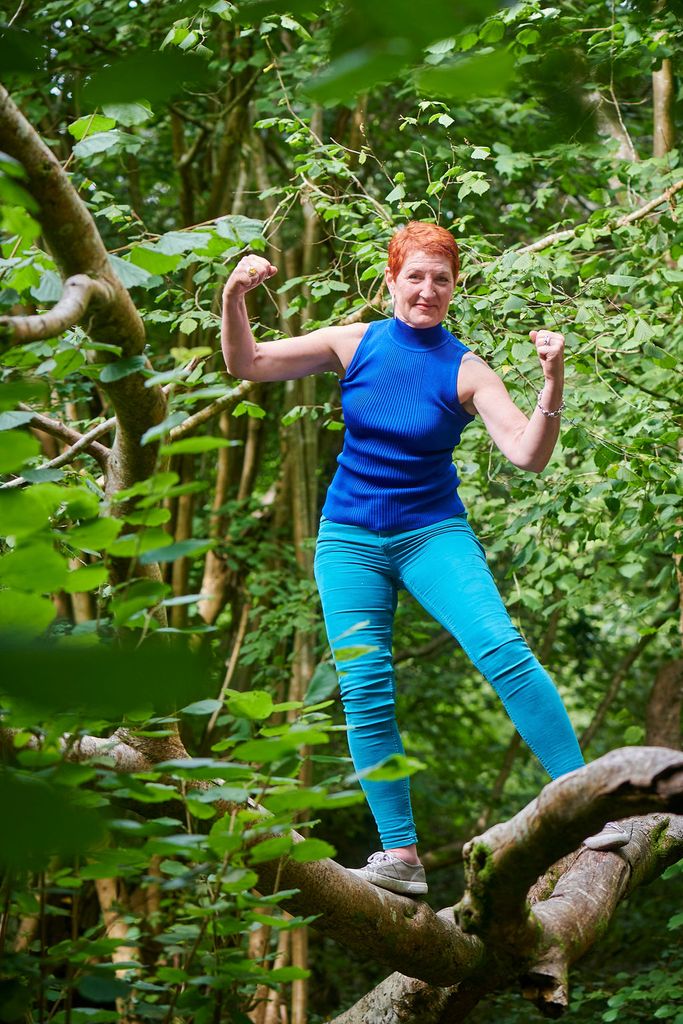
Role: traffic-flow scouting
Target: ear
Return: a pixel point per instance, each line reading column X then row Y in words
column 389, row 278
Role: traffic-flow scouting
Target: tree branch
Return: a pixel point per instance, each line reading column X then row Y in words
column 81, row 442
column 585, row 899
column 629, row 218
column 78, row 294
column 77, row 248
column 617, row 679
column 226, row 401
column 502, row 864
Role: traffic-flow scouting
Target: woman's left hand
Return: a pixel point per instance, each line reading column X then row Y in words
column 550, row 348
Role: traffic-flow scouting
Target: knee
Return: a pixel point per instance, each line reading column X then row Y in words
column 505, row 655
column 368, row 695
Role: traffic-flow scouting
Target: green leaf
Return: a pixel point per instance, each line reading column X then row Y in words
column 254, row 704
column 675, row 922
column 264, row 751
column 122, row 368
column 130, row 275
column 31, row 391
column 148, row 517
column 50, row 288
column 9, row 420
column 251, row 409
column 59, row 821
column 95, row 537
column 20, row 51
column 145, row 75
column 174, row 242
column 90, row 124
column 24, row 615
column 132, row 545
column 269, row 849
column 396, row 193
column 312, row 849
column 359, row 69
column 16, row 448
column 127, row 114
column 193, row 445
column 23, row 512
column 323, row 683
column 99, row 988
column 89, row 577
column 240, row 229
column 100, row 142
column 393, row 767
column 181, row 549
column 283, row 974
column 202, row 707
column 199, row 809
column 100, row 682
column 165, row 427
column 153, row 260
column 34, row 567
column 483, row 75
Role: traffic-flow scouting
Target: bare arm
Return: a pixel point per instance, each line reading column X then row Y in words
column 283, row 359
column 527, row 442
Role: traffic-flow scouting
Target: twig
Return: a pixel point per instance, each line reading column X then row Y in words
column 226, row 401
column 81, row 442
column 232, row 664
column 615, row 683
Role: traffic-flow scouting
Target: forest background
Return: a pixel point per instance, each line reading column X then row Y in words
column 160, row 517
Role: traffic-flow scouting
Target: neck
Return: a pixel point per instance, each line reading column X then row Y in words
column 416, row 337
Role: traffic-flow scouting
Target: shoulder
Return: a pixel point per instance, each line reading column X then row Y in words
column 474, row 373
column 346, row 339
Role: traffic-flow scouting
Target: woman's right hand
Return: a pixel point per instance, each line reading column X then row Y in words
column 250, row 272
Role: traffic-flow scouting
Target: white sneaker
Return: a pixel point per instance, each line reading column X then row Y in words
column 611, row 837
column 390, row 872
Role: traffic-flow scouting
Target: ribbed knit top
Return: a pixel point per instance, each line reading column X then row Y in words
column 403, row 420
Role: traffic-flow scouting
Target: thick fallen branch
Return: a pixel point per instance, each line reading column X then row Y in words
column 584, row 901
column 573, row 914
column 502, row 864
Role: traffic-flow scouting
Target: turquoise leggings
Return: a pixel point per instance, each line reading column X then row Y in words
column 359, row 573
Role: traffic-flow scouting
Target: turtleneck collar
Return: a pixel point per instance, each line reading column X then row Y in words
column 416, row 338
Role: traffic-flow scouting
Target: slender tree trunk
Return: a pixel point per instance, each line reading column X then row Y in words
column 183, row 531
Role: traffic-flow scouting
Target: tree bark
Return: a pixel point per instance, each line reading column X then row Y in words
column 663, row 715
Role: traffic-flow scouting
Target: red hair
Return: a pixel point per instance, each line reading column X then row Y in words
column 429, row 238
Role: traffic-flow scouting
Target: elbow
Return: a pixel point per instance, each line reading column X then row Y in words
column 237, row 372
column 240, row 370
column 530, row 464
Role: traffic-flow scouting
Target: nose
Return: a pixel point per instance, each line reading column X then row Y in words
column 427, row 288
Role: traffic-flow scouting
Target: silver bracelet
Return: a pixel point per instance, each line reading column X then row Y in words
column 545, row 411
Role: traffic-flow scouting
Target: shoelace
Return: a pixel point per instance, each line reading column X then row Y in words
column 375, row 858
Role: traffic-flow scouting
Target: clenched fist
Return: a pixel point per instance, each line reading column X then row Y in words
column 250, row 272
column 550, row 348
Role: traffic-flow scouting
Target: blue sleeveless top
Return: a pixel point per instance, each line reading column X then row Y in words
column 403, row 420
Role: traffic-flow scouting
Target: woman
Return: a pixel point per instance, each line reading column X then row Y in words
column 393, row 519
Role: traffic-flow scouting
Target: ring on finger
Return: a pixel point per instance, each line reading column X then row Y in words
column 252, row 271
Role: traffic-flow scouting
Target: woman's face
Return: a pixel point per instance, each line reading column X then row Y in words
column 422, row 289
